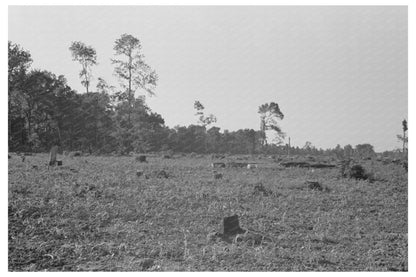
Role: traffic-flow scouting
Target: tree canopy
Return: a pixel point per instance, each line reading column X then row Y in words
column 87, row 57
column 44, row 110
column 269, row 114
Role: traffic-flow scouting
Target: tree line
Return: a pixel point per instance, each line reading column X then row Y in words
column 43, row 110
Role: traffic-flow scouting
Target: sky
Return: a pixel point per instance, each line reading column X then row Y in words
column 338, row 73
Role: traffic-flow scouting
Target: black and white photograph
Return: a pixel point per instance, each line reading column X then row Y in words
column 207, row 138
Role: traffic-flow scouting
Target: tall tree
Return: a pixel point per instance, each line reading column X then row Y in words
column 19, row 61
column 202, row 119
column 403, row 137
column 269, row 114
column 47, row 99
column 87, row 57
column 45, row 103
column 132, row 70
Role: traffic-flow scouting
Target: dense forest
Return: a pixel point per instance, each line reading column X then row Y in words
column 43, row 110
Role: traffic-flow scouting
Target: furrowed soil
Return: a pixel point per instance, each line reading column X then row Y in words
column 97, row 214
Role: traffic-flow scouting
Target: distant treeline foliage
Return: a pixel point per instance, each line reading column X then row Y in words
column 43, row 111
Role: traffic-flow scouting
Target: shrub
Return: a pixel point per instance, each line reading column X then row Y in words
column 358, row 172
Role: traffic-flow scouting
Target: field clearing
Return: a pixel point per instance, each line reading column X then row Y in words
column 96, row 214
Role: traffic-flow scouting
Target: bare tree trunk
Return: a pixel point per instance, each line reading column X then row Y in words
column 29, row 125
column 87, row 83
column 263, row 131
column 59, row 132
column 129, row 92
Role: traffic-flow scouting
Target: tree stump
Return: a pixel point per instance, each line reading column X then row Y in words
column 162, row 174
column 232, row 226
column 314, row 185
column 237, row 165
column 141, row 158
column 218, row 165
column 260, row 189
column 217, row 176
column 52, row 155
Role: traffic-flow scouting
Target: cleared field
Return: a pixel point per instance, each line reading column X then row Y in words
column 95, row 213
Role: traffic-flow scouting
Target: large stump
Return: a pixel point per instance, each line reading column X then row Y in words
column 232, row 226
column 52, row 155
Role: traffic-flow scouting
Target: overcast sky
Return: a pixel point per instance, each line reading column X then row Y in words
column 338, row 73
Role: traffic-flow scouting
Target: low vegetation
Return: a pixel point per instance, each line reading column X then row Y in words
column 99, row 214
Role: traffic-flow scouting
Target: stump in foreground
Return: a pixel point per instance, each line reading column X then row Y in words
column 52, row 155
column 231, row 226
